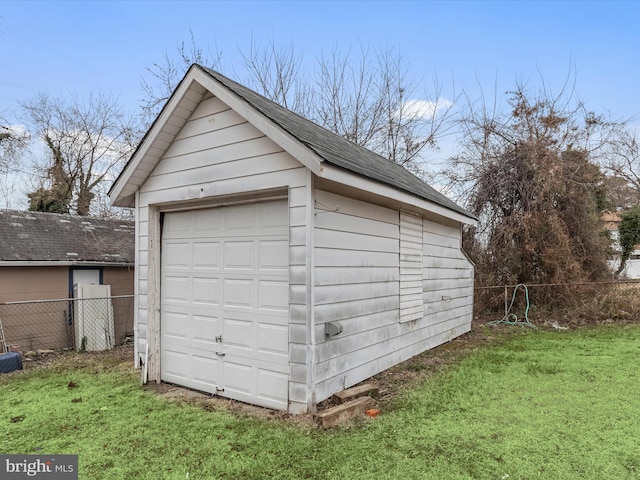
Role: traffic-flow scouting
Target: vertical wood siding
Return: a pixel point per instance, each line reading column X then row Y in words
column 358, row 284
column 218, row 153
column 411, row 304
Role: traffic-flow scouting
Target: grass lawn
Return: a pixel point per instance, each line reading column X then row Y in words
column 548, row 405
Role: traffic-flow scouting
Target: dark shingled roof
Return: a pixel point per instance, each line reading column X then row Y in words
column 337, row 150
column 49, row 237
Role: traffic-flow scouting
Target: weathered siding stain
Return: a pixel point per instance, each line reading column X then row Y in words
column 217, row 154
column 388, row 269
column 360, row 261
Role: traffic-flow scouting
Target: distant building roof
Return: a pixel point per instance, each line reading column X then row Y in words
column 41, row 238
column 611, row 220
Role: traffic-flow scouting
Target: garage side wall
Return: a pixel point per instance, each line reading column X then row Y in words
column 216, row 156
column 358, row 286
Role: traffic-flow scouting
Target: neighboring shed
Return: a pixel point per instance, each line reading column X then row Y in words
column 278, row 263
column 42, row 256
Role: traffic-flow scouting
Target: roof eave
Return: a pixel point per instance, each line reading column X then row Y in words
column 144, row 160
column 151, row 149
column 345, row 177
column 62, row 263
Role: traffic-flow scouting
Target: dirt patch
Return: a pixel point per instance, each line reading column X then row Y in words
column 69, row 359
column 391, row 382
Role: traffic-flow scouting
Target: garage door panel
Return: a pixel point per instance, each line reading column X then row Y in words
column 273, row 255
column 207, row 223
column 273, row 216
column 206, row 255
column 254, row 357
column 273, row 339
column 238, row 293
column 268, row 317
column 175, row 364
column 225, row 300
column 177, row 254
column 238, row 334
column 177, row 226
column 273, row 295
column 176, row 288
column 175, row 325
column 205, row 291
column 239, row 377
column 204, row 330
column 239, row 255
column 205, row 373
column 240, row 220
column 270, row 384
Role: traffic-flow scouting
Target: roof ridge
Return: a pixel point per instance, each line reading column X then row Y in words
column 361, row 160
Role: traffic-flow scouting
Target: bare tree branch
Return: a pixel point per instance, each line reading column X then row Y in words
column 167, row 73
column 88, row 140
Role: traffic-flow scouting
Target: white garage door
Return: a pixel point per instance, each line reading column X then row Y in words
column 224, row 302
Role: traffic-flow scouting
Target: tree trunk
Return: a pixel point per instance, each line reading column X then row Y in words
column 84, row 201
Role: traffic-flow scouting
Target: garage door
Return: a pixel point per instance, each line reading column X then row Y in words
column 224, row 302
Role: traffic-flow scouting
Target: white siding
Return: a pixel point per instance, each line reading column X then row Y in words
column 447, row 275
column 217, row 154
column 347, row 263
column 358, row 267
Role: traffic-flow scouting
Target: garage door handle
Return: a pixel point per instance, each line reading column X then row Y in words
column 220, row 354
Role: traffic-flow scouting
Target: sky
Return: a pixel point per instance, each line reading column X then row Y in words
column 80, row 47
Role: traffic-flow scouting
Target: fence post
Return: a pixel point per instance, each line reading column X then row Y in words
column 506, row 301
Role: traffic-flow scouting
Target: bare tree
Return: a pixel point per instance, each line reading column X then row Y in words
column 351, row 97
column 165, row 75
column 13, row 142
column 623, row 161
column 410, row 122
column 367, row 98
column 88, row 141
column 275, row 72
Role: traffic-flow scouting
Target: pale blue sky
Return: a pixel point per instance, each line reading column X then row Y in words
column 65, row 47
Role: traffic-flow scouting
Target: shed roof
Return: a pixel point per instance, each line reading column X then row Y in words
column 47, row 238
column 324, row 144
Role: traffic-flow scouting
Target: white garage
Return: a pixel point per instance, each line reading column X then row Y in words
column 276, row 262
column 224, row 301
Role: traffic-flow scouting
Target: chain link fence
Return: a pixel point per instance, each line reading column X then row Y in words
column 93, row 324
column 561, row 304
column 88, row 324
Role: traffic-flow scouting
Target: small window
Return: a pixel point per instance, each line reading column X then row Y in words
column 411, row 303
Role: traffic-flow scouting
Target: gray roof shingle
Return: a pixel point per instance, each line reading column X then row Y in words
column 337, row 150
column 49, row 237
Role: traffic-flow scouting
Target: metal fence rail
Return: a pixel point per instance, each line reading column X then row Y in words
column 87, row 324
column 101, row 323
column 571, row 303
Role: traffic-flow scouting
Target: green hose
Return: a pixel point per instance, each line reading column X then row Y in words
column 512, row 318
